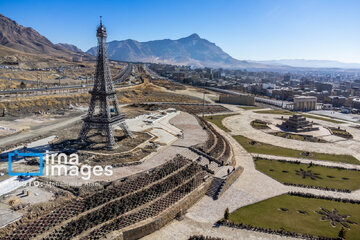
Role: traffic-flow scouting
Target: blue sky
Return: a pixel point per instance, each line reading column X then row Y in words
column 252, row 29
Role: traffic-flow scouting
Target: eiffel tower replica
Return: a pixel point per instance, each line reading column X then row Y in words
column 104, row 110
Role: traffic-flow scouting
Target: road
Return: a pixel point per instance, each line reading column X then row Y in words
column 13, row 139
column 120, row 77
column 123, row 74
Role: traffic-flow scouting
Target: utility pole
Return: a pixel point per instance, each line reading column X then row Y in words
column 203, row 104
column 38, row 79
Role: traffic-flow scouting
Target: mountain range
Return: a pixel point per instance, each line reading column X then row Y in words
column 304, row 63
column 70, row 47
column 199, row 52
column 17, row 41
column 27, row 40
column 191, row 50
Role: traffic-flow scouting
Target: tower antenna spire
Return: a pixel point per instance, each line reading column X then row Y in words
column 100, row 20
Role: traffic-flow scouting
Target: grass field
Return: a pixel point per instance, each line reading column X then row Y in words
column 322, row 118
column 258, row 124
column 286, row 172
column 275, row 111
column 217, row 120
column 341, row 133
column 263, row 148
column 249, row 107
column 300, row 137
column 286, row 112
column 267, row 214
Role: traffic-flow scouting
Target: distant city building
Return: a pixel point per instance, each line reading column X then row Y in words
column 242, row 99
column 178, row 76
column 336, row 101
column 320, row 86
column 286, row 77
column 356, row 103
column 305, row 103
column 77, row 59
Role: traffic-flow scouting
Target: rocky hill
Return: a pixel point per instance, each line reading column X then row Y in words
column 70, row 47
column 191, row 50
column 28, row 40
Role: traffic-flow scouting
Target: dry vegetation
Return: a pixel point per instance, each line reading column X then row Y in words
column 69, row 75
column 172, row 86
column 39, row 104
column 54, row 103
column 6, row 84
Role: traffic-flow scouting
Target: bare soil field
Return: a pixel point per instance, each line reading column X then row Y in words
column 50, row 72
column 172, row 86
column 93, row 151
column 64, row 102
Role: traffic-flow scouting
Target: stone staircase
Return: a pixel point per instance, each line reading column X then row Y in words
column 213, row 166
column 215, row 188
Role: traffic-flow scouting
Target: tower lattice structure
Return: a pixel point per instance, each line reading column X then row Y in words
column 104, row 110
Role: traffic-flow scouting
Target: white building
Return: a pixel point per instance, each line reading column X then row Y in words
column 305, row 103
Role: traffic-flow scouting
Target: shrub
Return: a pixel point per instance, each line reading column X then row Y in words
column 226, row 214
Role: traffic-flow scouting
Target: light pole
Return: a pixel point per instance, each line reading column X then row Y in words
column 203, row 103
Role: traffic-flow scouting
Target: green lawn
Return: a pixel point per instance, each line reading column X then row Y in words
column 322, row 118
column 249, row 107
column 341, row 132
column 217, row 120
column 286, row 112
column 267, row 214
column 275, row 111
column 300, row 137
column 263, row 148
column 258, row 124
column 285, row 172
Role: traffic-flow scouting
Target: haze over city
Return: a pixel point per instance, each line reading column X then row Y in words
column 247, row 30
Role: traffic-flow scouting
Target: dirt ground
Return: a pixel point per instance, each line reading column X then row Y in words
column 172, row 86
column 70, row 73
column 65, row 102
column 11, row 125
column 93, row 150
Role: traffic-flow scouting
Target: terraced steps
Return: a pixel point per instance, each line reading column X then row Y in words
column 58, row 217
column 216, row 145
column 120, row 206
column 150, row 211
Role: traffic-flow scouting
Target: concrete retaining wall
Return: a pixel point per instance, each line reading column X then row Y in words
column 230, row 180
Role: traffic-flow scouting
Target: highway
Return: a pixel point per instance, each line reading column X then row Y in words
column 12, row 139
column 120, row 77
column 123, row 74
